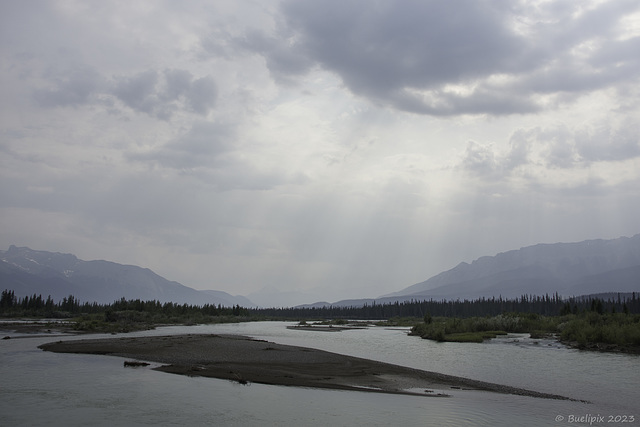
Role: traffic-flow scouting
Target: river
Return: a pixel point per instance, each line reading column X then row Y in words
column 42, row 388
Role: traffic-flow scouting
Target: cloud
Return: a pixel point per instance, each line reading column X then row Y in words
column 479, row 159
column 211, row 153
column 557, row 155
column 357, row 146
column 201, row 96
column 201, row 146
column 178, row 82
column 138, row 91
column 283, row 56
column 609, row 144
column 157, row 94
column 72, row 88
column 452, row 58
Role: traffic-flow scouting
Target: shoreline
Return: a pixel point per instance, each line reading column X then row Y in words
column 246, row 360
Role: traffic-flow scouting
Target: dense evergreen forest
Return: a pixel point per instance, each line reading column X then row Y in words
column 608, row 322
column 37, row 306
column 547, row 305
column 544, row 305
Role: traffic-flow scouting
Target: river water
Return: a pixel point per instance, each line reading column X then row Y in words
column 43, row 389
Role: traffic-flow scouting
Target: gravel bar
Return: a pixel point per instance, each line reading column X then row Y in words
column 247, row 360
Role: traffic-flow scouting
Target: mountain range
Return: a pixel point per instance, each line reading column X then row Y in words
column 571, row 269
column 28, row 272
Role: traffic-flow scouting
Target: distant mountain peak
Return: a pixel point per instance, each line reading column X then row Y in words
column 567, row 268
column 29, row 271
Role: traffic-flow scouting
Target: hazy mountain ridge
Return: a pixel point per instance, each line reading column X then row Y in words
column 562, row 261
column 27, row 271
column 571, row 269
column 567, row 268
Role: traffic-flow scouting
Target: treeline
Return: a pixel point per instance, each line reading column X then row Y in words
column 547, row 305
column 37, row 306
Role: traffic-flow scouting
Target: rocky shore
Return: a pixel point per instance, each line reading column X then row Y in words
column 248, row 360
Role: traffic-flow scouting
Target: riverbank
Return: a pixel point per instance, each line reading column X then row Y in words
column 32, row 329
column 601, row 347
column 247, row 360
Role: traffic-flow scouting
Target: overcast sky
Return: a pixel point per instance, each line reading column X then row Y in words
column 335, row 148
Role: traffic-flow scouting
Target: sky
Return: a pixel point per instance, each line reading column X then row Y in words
column 301, row 151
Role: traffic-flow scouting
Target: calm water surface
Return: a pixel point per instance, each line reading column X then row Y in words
column 41, row 388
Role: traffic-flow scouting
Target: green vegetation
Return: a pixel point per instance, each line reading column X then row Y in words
column 473, row 336
column 591, row 323
column 129, row 321
column 546, row 305
column 120, row 316
column 588, row 329
column 398, row 321
column 473, row 329
column 602, row 331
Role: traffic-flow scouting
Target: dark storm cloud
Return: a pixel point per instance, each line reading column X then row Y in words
column 408, row 54
column 386, row 46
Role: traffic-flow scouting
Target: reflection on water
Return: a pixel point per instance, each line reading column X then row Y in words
column 40, row 388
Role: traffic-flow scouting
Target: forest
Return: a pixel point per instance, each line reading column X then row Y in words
column 586, row 322
column 554, row 305
column 546, row 305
